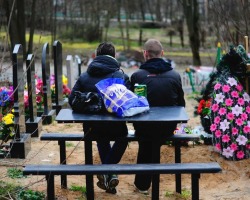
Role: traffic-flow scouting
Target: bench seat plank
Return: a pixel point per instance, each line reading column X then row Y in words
column 173, row 168
column 195, row 169
column 129, row 137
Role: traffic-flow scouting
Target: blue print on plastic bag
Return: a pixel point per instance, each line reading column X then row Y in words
column 118, row 99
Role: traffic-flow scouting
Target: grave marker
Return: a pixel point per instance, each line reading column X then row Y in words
column 48, row 113
column 59, row 101
column 33, row 123
column 21, row 144
column 70, row 71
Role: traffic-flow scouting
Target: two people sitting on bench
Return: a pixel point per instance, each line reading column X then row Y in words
column 103, row 66
column 164, row 88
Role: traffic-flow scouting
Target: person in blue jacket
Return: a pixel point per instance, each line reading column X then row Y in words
column 164, row 88
column 103, row 66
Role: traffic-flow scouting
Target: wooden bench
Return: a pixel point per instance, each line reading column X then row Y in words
column 195, row 169
column 63, row 137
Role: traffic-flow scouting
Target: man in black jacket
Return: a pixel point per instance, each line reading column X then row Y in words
column 164, row 88
column 104, row 66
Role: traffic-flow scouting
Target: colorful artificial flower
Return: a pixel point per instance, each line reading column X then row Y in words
column 230, row 116
column 7, row 127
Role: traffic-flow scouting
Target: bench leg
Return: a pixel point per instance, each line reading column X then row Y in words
column 63, row 162
column 195, row 186
column 178, row 160
column 50, row 187
column 89, row 178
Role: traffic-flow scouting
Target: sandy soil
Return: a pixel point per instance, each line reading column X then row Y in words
column 232, row 183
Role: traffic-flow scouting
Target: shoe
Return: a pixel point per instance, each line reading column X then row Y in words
column 113, row 181
column 111, row 190
column 103, row 181
column 145, row 192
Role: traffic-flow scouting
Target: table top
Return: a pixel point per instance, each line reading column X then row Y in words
column 155, row 114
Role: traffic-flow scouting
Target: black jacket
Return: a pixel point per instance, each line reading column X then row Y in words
column 102, row 67
column 164, row 88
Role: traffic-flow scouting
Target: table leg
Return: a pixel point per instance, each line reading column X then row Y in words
column 89, row 178
column 155, row 177
column 178, row 160
column 63, row 162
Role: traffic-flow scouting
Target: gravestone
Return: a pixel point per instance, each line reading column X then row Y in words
column 21, row 144
column 70, row 71
column 59, row 102
column 48, row 114
column 33, row 123
column 78, row 64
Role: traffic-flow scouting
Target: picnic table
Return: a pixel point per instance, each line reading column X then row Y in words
column 155, row 114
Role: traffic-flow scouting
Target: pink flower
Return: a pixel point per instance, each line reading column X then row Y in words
column 240, row 155
column 234, row 146
column 229, row 102
column 217, row 86
column 213, row 127
column 248, row 109
column 246, row 129
column 225, row 88
column 235, row 94
column 217, row 146
column 225, row 138
column 239, row 121
column 239, row 87
column 222, row 111
column 215, row 107
column 217, row 120
column 234, row 131
column 244, row 116
column 248, row 146
column 230, row 116
column 217, row 133
column 38, row 99
column 241, row 101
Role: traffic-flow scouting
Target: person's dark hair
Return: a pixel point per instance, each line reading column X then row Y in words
column 106, row 48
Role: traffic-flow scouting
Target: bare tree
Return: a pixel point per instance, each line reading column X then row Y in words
column 15, row 16
column 230, row 19
column 191, row 12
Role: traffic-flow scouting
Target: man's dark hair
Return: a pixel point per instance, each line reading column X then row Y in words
column 106, row 48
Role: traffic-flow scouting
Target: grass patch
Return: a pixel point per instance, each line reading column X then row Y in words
column 78, row 188
column 7, row 188
column 69, row 144
column 15, row 173
column 30, row 194
column 185, row 195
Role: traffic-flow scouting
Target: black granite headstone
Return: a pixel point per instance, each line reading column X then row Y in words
column 58, row 68
column 21, row 144
column 34, row 123
column 48, row 113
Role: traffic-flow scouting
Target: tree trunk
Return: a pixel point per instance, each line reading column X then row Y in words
column 158, row 11
column 120, row 23
column 32, row 27
column 191, row 11
column 16, row 21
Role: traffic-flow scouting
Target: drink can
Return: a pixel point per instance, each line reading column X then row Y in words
column 140, row 90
